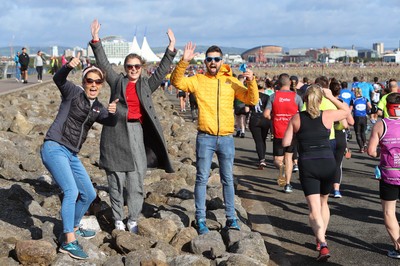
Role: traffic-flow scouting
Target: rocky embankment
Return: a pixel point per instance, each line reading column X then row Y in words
column 30, row 202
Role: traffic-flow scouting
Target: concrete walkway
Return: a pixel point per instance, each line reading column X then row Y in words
column 11, row 85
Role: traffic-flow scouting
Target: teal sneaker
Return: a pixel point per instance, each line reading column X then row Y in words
column 74, row 250
column 202, row 227
column 232, row 224
column 88, row 234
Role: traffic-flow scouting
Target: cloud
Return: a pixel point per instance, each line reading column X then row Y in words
column 246, row 24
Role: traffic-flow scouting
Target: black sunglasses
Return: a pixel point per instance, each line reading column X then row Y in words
column 216, row 59
column 97, row 81
column 136, row 66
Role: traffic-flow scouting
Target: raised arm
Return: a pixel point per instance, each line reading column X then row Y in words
column 330, row 116
column 60, row 78
column 178, row 79
column 100, row 55
column 165, row 64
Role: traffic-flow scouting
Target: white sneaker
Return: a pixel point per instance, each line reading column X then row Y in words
column 132, row 226
column 119, row 225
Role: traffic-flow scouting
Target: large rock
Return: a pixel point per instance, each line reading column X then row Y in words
column 161, row 229
column 127, row 242
column 35, row 252
column 182, row 239
column 149, row 257
column 21, row 125
column 189, row 260
column 252, row 245
column 209, row 245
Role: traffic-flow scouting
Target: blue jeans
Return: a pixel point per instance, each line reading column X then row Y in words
column 224, row 147
column 69, row 173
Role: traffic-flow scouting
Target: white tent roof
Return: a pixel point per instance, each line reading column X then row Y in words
column 135, row 49
column 147, row 53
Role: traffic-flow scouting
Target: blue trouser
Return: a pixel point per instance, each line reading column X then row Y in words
column 224, row 147
column 69, row 173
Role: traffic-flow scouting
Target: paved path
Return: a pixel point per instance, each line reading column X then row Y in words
column 11, row 85
column 356, row 233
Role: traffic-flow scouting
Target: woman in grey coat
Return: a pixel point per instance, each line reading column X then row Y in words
column 137, row 141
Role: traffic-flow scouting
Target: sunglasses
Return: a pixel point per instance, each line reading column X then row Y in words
column 136, row 66
column 215, row 59
column 97, row 81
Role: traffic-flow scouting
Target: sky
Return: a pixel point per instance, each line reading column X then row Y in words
column 232, row 23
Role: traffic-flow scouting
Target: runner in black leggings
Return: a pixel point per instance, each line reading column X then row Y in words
column 317, row 164
column 341, row 142
column 259, row 126
column 360, row 105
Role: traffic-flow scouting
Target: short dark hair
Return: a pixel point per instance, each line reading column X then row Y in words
column 393, row 98
column 284, row 79
column 335, row 88
column 376, row 79
column 212, row 49
column 344, row 85
column 322, row 81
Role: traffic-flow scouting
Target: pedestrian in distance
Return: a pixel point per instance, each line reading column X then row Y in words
column 317, row 166
column 17, row 67
column 54, row 65
column 38, row 64
column 384, row 143
column 24, row 61
column 137, row 142
column 79, row 110
column 214, row 91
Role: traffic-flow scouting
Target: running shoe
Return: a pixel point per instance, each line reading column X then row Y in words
column 237, row 134
column 262, row 164
column 74, row 250
column 242, row 135
column 336, row 194
column 88, row 234
column 295, row 168
column 232, row 224
column 395, row 254
column 324, row 254
column 132, row 226
column 119, row 225
column 202, row 227
column 288, row 188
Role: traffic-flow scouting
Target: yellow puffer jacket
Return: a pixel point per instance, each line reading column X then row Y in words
column 215, row 95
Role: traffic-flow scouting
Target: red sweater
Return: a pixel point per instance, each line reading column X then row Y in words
column 132, row 99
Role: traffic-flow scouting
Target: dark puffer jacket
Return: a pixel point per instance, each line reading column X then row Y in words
column 76, row 114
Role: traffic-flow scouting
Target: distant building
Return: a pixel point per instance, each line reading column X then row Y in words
column 55, row 50
column 367, row 54
column 233, row 59
column 263, row 54
column 115, row 47
column 337, row 53
column 298, row 51
column 379, row 48
column 392, row 58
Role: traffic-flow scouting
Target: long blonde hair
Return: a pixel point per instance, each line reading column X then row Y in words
column 313, row 98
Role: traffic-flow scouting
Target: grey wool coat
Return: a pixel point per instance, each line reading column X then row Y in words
column 115, row 153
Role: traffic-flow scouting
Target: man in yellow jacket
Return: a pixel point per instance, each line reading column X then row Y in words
column 214, row 91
